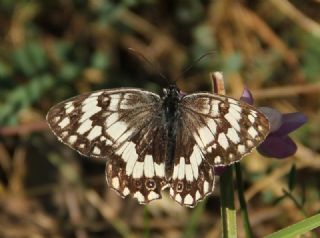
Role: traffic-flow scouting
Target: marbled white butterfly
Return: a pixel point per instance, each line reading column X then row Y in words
column 152, row 142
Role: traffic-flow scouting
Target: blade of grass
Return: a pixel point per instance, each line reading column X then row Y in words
column 298, row 229
column 242, row 201
column 298, row 204
column 228, row 212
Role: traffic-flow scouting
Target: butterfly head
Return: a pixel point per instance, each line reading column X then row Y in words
column 172, row 92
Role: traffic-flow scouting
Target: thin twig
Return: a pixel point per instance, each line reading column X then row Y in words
column 254, row 22
column 286, row 91
column 24, row 129
column 295, row 201
column 296, row 16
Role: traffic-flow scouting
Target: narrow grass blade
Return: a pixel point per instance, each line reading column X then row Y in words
column 297, row 229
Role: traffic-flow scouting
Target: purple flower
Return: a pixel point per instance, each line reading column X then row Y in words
column 277, row 144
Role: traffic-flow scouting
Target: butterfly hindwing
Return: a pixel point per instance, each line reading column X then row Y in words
column 192, row 178
column 225, row 129
column 138, row 166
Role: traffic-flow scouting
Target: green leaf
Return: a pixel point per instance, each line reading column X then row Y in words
column 24, row 96
column 30, row 58
column 233, row 63
column 69, row 72
column 298, row 229
column 310, row 61
column 100, row 60
column 37, row 55
column 5, row 70
column 22, row 61
column 203, row 36
column 62, row 49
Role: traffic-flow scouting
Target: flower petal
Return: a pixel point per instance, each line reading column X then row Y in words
column 277, row 147
column 274, row 117
column 247, row 96
column 291, row 122
column 219, row 170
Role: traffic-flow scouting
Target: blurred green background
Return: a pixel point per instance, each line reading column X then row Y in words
column 53, row 50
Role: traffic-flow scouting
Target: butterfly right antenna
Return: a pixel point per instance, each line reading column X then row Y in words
column 193, row 64
column 140, row 55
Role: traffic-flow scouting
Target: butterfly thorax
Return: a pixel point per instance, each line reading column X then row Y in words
column 171, row 99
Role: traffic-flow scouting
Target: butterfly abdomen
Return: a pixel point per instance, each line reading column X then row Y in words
column 171, row 113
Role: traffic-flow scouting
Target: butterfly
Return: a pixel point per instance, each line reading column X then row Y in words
column 152, row 142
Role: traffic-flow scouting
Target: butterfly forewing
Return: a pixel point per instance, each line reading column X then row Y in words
column 224, row 129
column 95, row 124
column 119, row 125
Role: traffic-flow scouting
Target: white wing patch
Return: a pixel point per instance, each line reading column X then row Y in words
column 233, row 135
column 149, row 166
column 117, row 129
column 64, row 122
column 95, row 132
column 84, row 127
column 137, row 170
column 223, row 141
column 233, row 121
column 181, row 168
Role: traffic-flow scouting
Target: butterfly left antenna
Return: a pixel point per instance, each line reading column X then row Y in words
column 138, row 54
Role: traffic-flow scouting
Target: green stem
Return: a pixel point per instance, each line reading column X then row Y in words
column 242, row 201
column 228, row 212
